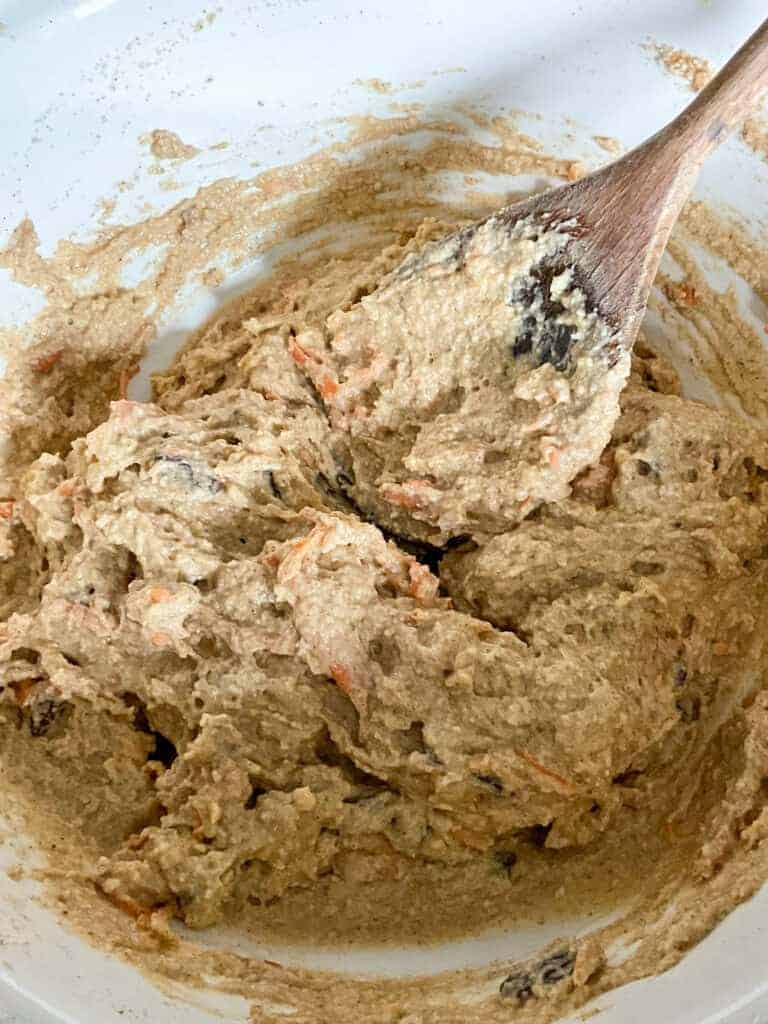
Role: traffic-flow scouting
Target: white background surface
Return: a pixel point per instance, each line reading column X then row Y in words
column 80, row 81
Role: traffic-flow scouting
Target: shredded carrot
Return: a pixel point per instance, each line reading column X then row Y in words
column 342, row 677
column 405, row 500
column 67, row 489
column 160, row 639
column 552, row 455
column 159, row 594
column 44, row 364
column 423, row 585
column 565, row 783
column 22, row 690
column 129, row 906
column 327, row 387
column 407, row 494
column 6, row 509
column 299, row 355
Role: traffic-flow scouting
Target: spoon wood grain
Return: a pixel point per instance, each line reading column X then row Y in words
column 619, row 218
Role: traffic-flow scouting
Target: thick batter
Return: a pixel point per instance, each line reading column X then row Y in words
column 473, row 384
column 300, row 629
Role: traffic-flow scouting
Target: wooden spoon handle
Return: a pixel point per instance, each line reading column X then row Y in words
column 628, row 208
column 725, row 101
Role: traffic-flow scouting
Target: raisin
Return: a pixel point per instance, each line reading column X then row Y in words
column 541, row 335
column 273, row 486
column 689, row 709
column 628, row 778
column 506, row 859
column 252, row 800
column 181, row 472
column 536, row 834
column 26, row 654
column 524, row 341
column 492, row 781
column 517, row 986
column 45, row 715
column 556, row 968
column 554, row 345
column 164, row 751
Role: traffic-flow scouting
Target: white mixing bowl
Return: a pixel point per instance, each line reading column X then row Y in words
column 81, row 80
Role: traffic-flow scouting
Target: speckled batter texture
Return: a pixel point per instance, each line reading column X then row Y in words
column 245, row 675
column 474, row 383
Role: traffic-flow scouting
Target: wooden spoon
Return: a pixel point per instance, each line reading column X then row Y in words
column 497, row 354
column 623, row 214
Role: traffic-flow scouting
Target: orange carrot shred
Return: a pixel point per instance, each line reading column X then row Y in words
column 328, row 387
column 129, row 906
column 545, row 771
column 342, row 677
column 22, row 690
column 407, row 494
column 299, row 355
column 44, row 364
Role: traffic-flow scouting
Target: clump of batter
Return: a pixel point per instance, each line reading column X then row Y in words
column 364, row 626
column 474, row 383
column 226, row 668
